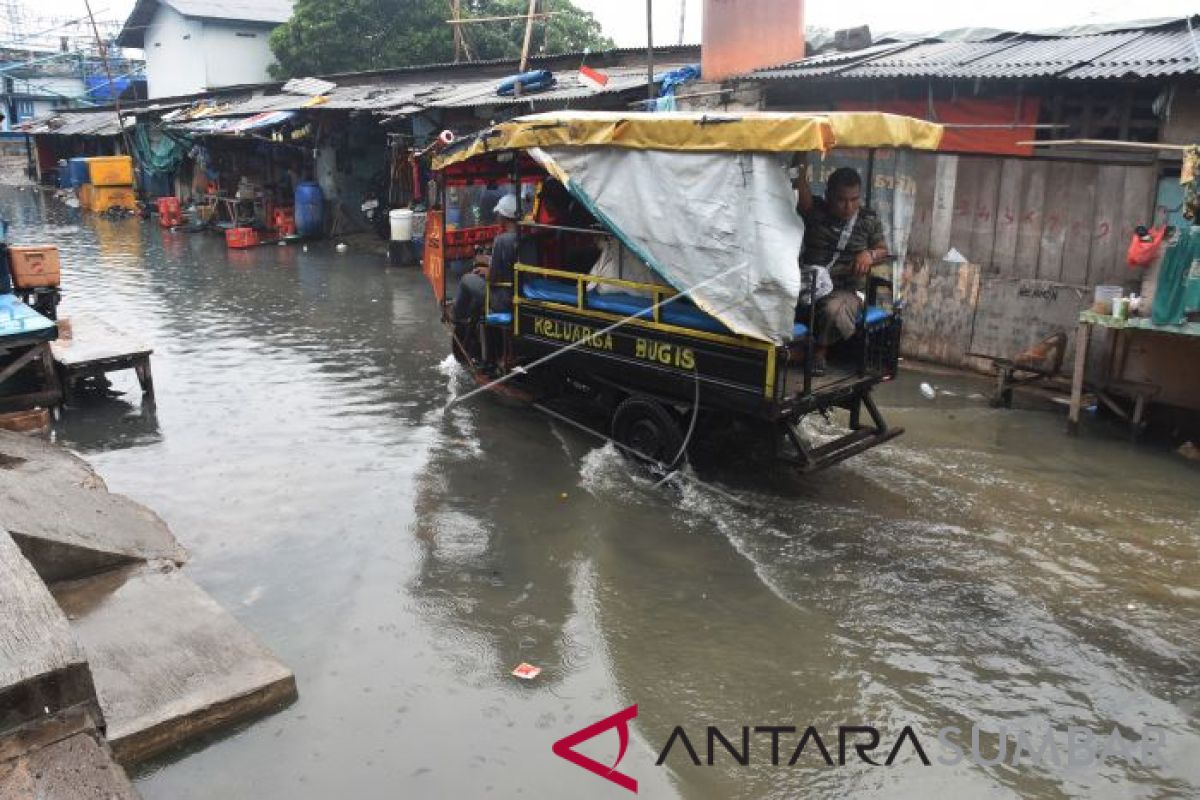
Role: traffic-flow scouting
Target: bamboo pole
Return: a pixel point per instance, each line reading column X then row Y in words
column 528, row 34
column 650, row 53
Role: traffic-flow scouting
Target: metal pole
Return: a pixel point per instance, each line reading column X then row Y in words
column 649, row 51
column 682, row 19
column 108, row 71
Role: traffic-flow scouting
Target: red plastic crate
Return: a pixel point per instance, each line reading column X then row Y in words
column 241, row 238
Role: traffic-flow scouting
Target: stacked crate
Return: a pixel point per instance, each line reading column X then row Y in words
column 111, row 182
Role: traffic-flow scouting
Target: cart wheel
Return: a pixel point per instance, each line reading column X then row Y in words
column 648, row 429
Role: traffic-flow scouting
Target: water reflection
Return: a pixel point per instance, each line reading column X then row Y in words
column 984, row 568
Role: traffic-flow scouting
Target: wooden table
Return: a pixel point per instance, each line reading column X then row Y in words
column 1122, row 331
column 90, row 347
column 26, row 335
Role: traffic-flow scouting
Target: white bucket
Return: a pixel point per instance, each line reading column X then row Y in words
column 401, row 220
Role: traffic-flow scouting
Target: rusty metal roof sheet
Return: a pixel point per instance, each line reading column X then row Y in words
column 1154, row 52
column 83, row 123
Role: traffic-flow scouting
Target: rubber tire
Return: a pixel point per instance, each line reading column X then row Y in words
column 643, row 425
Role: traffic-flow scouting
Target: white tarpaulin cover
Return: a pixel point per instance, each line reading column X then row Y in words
column 722, row 225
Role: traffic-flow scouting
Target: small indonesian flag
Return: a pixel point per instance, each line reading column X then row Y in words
column 592, row 78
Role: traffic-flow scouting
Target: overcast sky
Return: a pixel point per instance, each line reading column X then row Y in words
column 625, row 20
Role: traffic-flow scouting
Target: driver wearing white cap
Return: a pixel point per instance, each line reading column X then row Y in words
column 472, row 289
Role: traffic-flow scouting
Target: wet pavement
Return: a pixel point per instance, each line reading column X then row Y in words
column 984, row 569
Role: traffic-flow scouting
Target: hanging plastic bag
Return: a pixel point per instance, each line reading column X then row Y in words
column 1144, row 246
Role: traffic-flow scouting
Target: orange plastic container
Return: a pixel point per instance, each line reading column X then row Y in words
column 34, row 266
column 241, row 238
column 284, row 222
column 106, row 197
column 169, row 212
column 110, row 171
column 86, row 192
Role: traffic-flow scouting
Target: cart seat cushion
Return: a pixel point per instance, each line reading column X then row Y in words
column 499, row 318
column 19, row 322
column 548, row 291
column 876, row 315
column 679, row 312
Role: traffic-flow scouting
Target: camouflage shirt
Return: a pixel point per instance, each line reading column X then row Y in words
column 823, row 231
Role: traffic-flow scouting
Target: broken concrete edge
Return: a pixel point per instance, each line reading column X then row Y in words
column 150, row 742
column 32, row 448
column 55, row 561
column 66, row 521
column 37, row 699
column 51, row 728
column 62, row 758
column 169, row 662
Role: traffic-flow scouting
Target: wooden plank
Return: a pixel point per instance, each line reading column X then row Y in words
column 983, row 228
column 1008, row 210
column 940, row 303
column 1137, row 208
column 41, row 666
column 946, row 176
column 1107, row 255
column 85, row 339
column 966, row 202
column 169, row 663
column 1014, row 314
column 1080, row 215
column 1059, row 196
column 925, row 175
column 1030, row 219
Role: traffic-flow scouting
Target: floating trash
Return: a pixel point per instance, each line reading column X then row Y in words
column 928, row 392
column 526, row 672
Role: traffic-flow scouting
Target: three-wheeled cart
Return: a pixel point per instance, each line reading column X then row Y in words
column 697, row 322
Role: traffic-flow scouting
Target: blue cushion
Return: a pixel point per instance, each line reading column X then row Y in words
column 686, row 315
column 547, row 290
column 499, row 318
column 621, row 303
column 876, row 315
column 681, row 312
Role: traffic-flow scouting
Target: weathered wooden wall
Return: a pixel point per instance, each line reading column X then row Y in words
column 1018, row 223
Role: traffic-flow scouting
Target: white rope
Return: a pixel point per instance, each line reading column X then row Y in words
column 584, row 340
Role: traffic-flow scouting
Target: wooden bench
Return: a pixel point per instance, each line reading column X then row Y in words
column 89, row 347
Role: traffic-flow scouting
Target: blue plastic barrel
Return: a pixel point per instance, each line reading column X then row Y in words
column 310, row 209
column 79, row 172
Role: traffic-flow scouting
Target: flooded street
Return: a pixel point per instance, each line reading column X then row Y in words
column 984, row 569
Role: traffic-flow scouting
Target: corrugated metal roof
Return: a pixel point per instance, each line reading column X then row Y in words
column 1142, row 53
column 406, row 97
column 569, row 88
column 89, row 123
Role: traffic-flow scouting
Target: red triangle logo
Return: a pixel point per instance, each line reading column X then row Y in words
column 565, row 748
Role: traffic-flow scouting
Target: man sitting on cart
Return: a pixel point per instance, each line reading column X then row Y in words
column 845, row 238
column 498, row 272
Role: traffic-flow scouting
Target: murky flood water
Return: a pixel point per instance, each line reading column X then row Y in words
column 983, row 570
